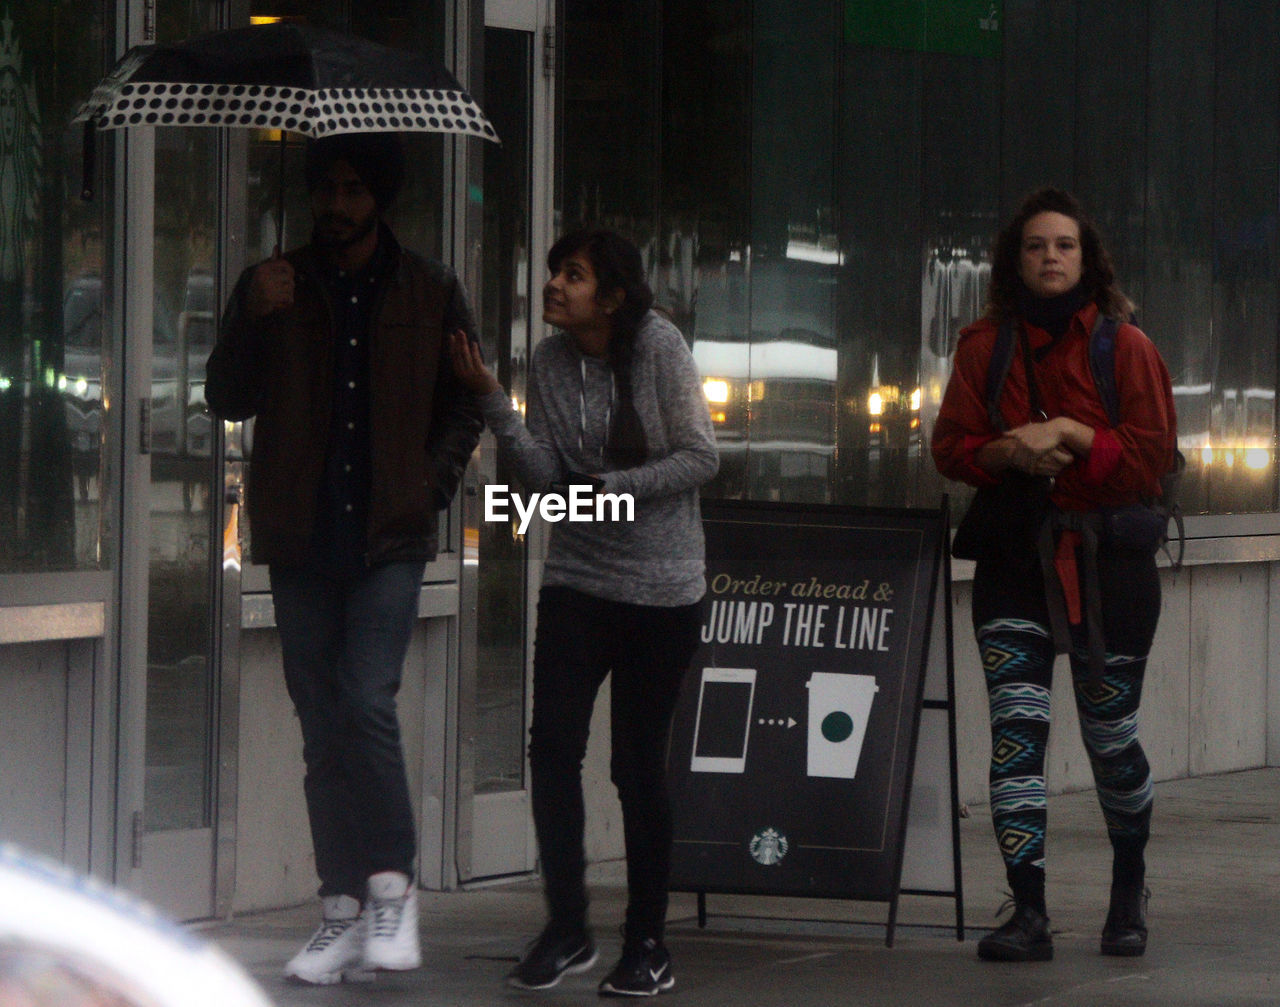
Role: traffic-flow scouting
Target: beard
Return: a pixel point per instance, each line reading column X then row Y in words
column 335, row 234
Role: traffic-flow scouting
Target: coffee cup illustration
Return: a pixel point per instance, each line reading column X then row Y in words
column 839, row 707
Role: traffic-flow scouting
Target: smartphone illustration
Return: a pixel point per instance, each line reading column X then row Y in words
column 723, row 724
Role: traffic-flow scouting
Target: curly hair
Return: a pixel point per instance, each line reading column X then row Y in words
column 618, row 267
column 1098, row 278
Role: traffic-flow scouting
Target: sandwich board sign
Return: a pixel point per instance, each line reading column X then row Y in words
column 793, row 745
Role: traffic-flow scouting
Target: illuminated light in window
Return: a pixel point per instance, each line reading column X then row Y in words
column 875, row 404
column 809, row 251
column 82, row 387
column 515, row 404
column 716, row 390
column 756, row 391
column 915, row 399
column 62, row 382
column 874, row 428
column 1257, row 458
column 5, row 384
column 717, row 417
column 1206, row 455
column 50, row 377
column 1230, row 458
column 264, row 19
column 915, row 422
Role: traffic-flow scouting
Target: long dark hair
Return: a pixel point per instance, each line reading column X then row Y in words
column 1098, row 279
column 618, row 267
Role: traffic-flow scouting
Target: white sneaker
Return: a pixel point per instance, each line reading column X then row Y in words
column 391, row 915
column 336, row 950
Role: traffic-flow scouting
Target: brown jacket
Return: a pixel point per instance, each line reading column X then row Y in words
column 423, row 423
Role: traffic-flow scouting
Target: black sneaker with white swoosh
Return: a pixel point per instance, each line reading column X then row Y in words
column 552, row 956
column 643, row 971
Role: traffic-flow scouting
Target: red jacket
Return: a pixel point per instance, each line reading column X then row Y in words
column 1126, row 461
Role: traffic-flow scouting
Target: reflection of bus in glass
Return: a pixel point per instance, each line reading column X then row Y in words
column 772, row 406
column 181, row 343
column 1230, row 427
column 765, row 347
column 1193, row 406
column 1245, row 426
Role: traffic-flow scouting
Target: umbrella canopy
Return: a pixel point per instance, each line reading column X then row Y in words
column 287, row 76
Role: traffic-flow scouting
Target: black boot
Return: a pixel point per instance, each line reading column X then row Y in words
column 1024, row 937
column 1125, row 932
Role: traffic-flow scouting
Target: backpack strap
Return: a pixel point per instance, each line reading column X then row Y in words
column 997, row 372
column 1102, row 364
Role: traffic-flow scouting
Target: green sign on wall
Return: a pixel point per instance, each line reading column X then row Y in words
column 961, row 27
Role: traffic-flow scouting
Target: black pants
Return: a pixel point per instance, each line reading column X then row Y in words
column 580, row 640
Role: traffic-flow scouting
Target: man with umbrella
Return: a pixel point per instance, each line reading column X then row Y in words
column 362, row 434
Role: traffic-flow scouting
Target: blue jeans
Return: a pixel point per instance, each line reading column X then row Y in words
column 343, row 643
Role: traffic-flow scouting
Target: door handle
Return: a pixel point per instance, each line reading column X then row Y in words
column 144, row 425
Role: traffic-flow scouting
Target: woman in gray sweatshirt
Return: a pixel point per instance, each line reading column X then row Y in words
column 615, row 403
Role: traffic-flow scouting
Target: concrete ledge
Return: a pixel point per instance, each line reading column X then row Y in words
column 69, row 621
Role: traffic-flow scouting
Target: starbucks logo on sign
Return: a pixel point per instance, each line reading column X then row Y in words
column 768, row 847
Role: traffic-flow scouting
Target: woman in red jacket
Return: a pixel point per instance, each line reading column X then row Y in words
column 1051, row 282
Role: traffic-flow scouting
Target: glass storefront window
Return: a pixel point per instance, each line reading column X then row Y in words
column 500, row 713
column 55, row 343
column 820, row 185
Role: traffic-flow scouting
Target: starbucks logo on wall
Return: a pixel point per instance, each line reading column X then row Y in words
column 19, row 156
column 768, row 847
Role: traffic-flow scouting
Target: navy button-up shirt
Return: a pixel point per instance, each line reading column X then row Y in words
column 343, row 515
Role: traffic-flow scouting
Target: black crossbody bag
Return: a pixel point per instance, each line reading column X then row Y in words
column 1004, row 519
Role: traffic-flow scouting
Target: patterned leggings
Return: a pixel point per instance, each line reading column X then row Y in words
column 1017, row 658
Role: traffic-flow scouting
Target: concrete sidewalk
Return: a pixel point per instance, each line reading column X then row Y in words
column 1213, row 870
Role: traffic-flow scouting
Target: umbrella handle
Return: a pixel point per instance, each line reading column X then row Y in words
column 280, row 193
column 89, row 154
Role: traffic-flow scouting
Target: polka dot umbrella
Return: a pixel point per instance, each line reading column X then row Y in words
column 292, row 77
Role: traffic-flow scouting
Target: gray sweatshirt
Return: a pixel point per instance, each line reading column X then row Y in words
column 657, row 559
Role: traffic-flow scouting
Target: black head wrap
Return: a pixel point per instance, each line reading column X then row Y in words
column 377, row 158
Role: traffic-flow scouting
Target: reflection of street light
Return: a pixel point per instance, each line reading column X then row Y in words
column 716, row 390
column 1257, row 458
column 915, row 400
column 875, row 403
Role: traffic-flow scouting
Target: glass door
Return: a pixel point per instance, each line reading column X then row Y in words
column 494, row 831
column 172, row 545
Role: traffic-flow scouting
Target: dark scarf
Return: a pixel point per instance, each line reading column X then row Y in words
column 1053, row 314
